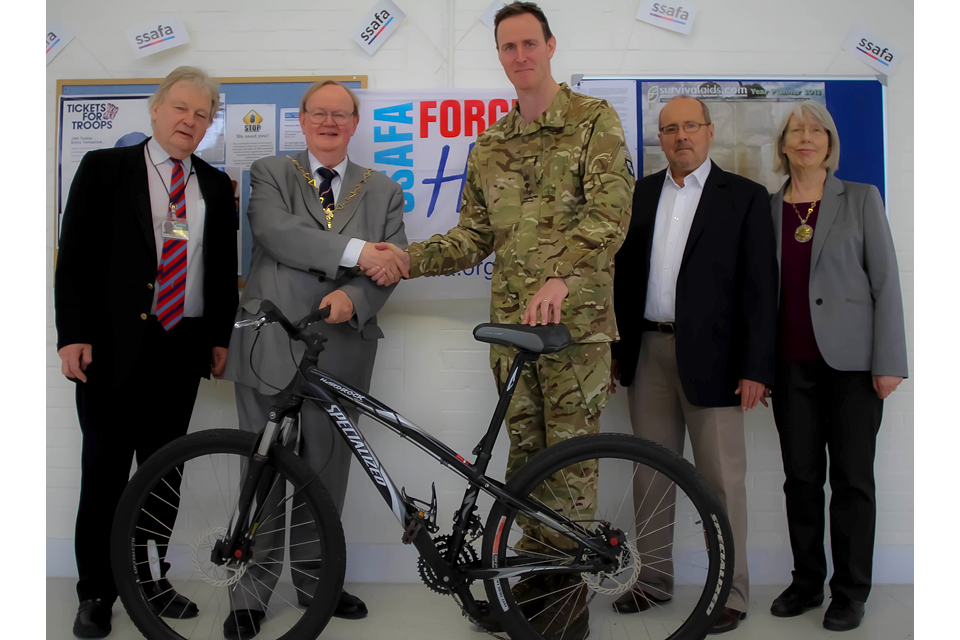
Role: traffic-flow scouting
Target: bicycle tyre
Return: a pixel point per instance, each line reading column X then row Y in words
column 194, row 457
column 613, row 451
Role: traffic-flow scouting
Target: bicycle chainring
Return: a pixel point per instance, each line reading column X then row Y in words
column 467, row 555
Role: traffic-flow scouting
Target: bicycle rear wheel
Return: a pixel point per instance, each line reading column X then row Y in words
column 183, row 499
column 653, row 509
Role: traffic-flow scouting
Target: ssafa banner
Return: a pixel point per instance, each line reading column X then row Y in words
column 422, row 140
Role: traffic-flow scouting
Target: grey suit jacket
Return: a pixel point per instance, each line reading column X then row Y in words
column 295, row 264
column 855, row 300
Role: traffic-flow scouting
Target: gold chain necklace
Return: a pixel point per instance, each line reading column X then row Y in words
column 329, row 211
column 804, row 232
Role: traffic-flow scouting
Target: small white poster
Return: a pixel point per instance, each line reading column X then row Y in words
column 212, row 147
column 147, row 38
column 672, row 16
column 57, row 38
column 876, row 52
column 291, row 135
column 491, row 12
column 251, row 133
column 382, row 20
column 622, row 96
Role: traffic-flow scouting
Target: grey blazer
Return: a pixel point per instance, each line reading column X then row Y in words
column 295, row 263
column 855, row 300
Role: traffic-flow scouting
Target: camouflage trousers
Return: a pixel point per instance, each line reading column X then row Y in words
column 558, row 397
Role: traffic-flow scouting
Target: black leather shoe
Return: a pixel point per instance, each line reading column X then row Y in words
column 843, row 614
column 728, row 621
column 166, row 602
column 93, row 619
column 350, row 607
column 794, row 601
column 635, row 601
column 242, row 624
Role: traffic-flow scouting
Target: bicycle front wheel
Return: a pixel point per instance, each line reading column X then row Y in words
column 668, row 532
column 183, row 500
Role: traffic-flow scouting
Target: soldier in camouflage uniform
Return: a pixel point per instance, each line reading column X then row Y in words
column 550, row 196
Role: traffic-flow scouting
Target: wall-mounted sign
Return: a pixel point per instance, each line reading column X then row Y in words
column 57, row 38
column 382, row 20
column 147, row 38
column 674, row 16
column 879, row 53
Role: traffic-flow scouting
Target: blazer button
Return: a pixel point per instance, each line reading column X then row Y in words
column 150, row 286
column 143, row 316
column 819, row 301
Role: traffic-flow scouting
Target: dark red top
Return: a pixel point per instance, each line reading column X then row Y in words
column 795, row 339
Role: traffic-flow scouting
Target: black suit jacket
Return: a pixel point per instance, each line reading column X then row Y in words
column 107, row 262
column 726, row 299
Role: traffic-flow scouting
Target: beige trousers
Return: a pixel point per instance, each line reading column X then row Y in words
column 659, row 410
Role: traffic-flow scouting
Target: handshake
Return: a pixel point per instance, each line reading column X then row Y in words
column 384, row 263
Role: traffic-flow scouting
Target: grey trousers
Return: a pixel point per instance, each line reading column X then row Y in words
column 326, row 452
column 659, row 410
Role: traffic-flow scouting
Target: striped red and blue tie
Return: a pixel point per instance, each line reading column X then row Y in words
column 173, row 258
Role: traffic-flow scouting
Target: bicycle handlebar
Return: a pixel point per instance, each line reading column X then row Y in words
column 272, row 314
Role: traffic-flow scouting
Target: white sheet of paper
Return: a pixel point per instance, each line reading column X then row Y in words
column 58, row 37
column 147, row 38
column 291, row 135
column 382, row 20
column 251, row 133
column 872, row 50
column 673, row 16
column 491, row 12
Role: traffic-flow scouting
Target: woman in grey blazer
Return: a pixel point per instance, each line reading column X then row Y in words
column 840, row 351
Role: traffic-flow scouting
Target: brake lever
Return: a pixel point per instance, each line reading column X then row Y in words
column 256, row 324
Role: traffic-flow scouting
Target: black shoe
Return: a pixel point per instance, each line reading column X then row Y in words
column 242, row 624
column 93, row 619
column 843, row 614
column 794, row 601
column 728, row 621
column 166, row 602
column 350, row 607
column 635, row 601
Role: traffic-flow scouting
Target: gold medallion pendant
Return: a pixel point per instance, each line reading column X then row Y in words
column 803, row 233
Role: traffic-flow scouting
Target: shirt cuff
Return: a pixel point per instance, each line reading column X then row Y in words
column 351, row 255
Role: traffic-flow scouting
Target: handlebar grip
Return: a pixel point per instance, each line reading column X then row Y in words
column 314, row 316
column 273, row 314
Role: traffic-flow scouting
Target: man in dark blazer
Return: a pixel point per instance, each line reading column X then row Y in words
column 314, row 218
column 142, row 315
column 695, row 294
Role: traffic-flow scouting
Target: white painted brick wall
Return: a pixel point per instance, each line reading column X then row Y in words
column 429, row 368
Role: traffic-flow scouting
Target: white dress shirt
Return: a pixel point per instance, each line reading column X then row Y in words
column 675, row 213
column 159, row 172
column 351, row 255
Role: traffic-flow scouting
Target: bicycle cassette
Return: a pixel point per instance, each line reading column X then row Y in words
column 467, row 555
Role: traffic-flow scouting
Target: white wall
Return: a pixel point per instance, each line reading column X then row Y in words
column 429, row 367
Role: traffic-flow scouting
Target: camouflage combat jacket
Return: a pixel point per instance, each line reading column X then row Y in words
column 551, row 199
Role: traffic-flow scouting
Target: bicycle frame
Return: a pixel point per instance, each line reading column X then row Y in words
column 330, row 394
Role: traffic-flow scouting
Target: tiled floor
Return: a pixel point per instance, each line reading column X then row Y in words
column 411, row 612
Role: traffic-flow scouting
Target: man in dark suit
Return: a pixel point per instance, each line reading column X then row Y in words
column 142, row 314
column 695, row 294
column 314, row 218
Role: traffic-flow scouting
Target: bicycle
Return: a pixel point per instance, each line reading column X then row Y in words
column 239, row 485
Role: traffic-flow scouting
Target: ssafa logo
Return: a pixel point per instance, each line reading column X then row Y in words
column 251, row 122
column 156, row 36
column 672, row 14
column 52, row 40
column 883, row 56
column 376, row 26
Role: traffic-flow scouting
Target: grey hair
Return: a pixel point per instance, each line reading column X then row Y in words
column 818, row 112
column 320, row 84
column 703, row 106
column 194, row 75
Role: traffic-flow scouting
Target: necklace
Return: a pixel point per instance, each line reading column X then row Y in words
column 329, row 211
column 804, row 232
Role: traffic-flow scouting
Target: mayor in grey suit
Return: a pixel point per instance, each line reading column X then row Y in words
column 840, row 351
column 314, row 218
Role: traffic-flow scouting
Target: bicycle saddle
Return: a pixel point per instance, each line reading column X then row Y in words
column 548, row 338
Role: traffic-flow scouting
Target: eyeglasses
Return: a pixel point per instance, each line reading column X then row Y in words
column 339, row 117
column 689, row 127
